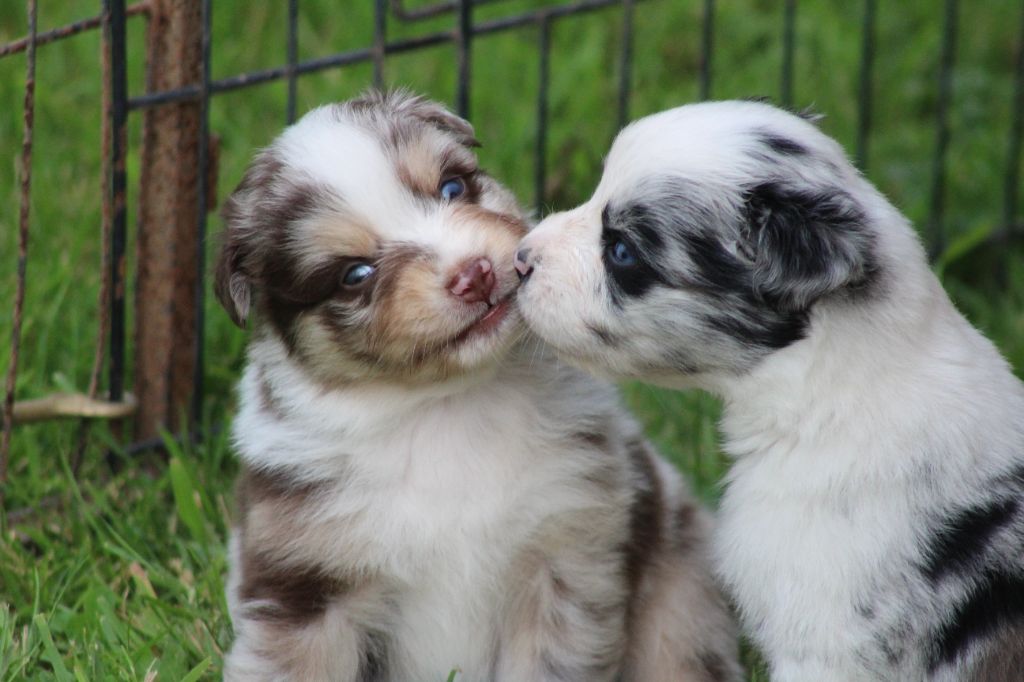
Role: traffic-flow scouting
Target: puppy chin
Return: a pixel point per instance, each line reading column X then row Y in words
column 490, row 340
column 565, row 332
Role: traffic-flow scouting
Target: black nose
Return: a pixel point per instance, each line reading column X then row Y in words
column 522, row 264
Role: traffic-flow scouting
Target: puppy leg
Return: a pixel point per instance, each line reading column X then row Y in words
column 287, row 627
column 331, row 648
column 1004, row 659
column 567, row 622
column 682, row 628
column 684, row 633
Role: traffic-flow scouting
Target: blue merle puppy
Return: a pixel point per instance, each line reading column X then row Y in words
column 872, row 526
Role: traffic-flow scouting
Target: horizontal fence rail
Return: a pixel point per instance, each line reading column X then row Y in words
column 464, row 28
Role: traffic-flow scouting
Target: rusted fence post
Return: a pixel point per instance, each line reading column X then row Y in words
column 167, row 246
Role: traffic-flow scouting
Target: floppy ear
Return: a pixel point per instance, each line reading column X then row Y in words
column 438, row 116
column 803, row 243
column 233, row 277
column 232, row 285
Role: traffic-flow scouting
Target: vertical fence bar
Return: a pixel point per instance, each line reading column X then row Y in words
column 168, row 239
column 1013, row 146
column 625, row 63
column 541, row 151
column 103, row 299
column 25, row 182
column 463, row 38
column 707, row 36
column 936, row 218
column 202, row 206
column 788, row 47
column 114, row 13
column 293, row 58
column 865, row 96
column 379, row 41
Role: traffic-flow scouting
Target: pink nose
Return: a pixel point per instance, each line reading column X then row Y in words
column 474, row 282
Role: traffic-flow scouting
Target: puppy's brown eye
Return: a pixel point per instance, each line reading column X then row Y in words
column 358, row 274
column 452, row 189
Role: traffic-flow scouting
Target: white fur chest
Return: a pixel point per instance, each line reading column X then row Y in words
column 432, row 495
column 806, row 549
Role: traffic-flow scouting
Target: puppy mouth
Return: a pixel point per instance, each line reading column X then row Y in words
column 488, row 322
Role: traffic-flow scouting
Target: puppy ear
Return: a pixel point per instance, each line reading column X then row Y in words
column 803, row 244
column 438, row 116
column 807, row 113
column 404, row 103
column 233, row 279
column 231, row 285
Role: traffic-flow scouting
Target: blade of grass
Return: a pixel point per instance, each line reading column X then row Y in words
column 185, row 501
column 50, row 653
column 198, row 670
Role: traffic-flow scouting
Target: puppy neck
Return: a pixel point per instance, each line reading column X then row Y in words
column 869, row 369
column 288, row 418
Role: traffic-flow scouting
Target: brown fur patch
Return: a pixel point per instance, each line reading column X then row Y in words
column 289, row 242
column 408, row 295
column 1004, row 659
column 598, row 440
column 416, row 165
column 268, row 495
column 270, row 504
column 686, row 533
column 383, row 111
column 715, row 666
column 256, row 486
column 336, row 232
column 423, row 162
column 500, row 225
column 269, row 402
column 645, row 525
column 292, row 595
column 256, row 263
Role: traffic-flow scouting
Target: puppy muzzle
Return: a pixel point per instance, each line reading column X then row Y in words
column 524, row 268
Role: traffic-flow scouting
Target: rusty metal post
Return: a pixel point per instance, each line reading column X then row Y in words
column 167, row 246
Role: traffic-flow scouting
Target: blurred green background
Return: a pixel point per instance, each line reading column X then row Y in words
column 119, row 576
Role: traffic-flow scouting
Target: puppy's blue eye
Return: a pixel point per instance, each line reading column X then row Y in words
column 453, row 188
column 357, row 274
column 621, row 254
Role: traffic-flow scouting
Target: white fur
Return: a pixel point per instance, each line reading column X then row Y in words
column 479, row 517
column 445, row 484
column 853, row 447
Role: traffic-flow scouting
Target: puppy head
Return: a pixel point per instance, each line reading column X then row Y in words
column 367, row 240
column 714, row 231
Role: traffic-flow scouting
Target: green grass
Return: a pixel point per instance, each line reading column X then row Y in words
column 122, row 579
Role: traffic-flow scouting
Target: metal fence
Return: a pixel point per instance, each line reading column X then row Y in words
column 169, row 352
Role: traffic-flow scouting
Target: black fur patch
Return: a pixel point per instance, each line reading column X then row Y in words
column 997, row 601
column 645, row 524
column 756, row 271
column 640, row 221
column 286, row 294
column 782, row 145
column 773, row 331
column 741, row 315
column 681, row 242
column 964, row 537
column 636, row 280
column 374, row 664
column 606, row 336
column 806, row 243
column 717, row 270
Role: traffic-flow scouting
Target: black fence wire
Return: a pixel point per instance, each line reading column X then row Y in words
column 119, row 105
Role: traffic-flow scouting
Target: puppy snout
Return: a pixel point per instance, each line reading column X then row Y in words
column 474, row 282
column 522, row 263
